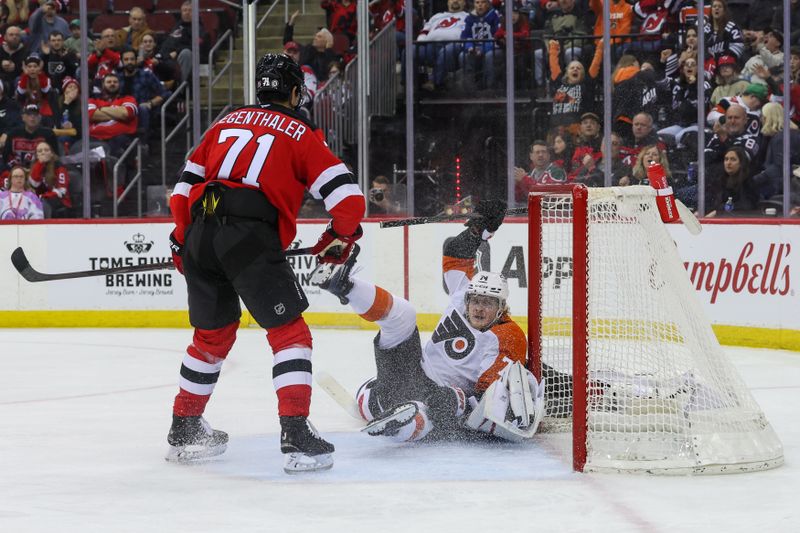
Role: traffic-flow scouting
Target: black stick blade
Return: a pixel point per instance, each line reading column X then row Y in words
column 23, row 266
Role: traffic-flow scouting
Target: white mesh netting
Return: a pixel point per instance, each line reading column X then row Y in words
column 662, row 396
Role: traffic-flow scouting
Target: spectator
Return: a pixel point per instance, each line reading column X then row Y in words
column 145, row 88
column 69, row 111
column 753, row 97
column 35, row 87
column 542, row 172
column 131, row 36
column 43, row 22
column 9, row 113
column 292, row 49
column 769, row 182
column 776, row 86
column 479, row 53
column 18, row 12
column 587, row 145
column 166, row 69
column 385, row 11
column 442, row 57
column 112, row 117
column 178, row 45
column 560, row 145
column 50, row 180
column 12, row 54
column 574, row 92
column 522, row 44
column 592, row 171
column 341, row 17
column 768, row 52
column 565, row 22
column 643, row 134
column 722, row 35
column 319, row 54
column 18, row 202
column 635, row 91
column 672, row 59
column 59, row 61
column 733, row 132
column 682, row 115
column 728, row 81
column 730, row 187
column 621, row 13
column 654, row 26
column 20, row 144
column 649, row 155
column 381, row 198
column 104, row 59
column 73, row 42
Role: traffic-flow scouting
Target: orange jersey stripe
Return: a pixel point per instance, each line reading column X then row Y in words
column 512, row 345
column 380, row 307
column 467, row 266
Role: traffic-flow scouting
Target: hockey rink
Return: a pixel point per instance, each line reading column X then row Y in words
column 85, row 415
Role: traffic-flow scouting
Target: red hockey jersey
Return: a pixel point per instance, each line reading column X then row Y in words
column 278, row 151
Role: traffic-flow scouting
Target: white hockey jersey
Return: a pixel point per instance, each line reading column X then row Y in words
column 458, row 354
column 20, row 206
column 443, row 27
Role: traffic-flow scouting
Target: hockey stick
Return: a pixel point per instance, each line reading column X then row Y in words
column 23, row 266
column 688, row 218
column 338, row 393
column 442, row 218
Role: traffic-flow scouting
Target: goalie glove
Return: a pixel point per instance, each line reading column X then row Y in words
column 487, row 218
column 334, row 248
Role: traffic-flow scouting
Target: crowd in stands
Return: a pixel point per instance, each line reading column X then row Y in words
column 558, row 57
column 132, row 70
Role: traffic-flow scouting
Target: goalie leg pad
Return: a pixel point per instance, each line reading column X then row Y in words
column 406, row 423
column 512, row 407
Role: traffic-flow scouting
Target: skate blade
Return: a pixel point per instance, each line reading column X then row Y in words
column 193, row 454
column 298, row 463
column 396, row 419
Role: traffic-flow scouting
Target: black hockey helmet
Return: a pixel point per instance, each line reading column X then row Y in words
column 276, row 76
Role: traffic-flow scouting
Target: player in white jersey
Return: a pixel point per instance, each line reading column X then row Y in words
column 420, row 391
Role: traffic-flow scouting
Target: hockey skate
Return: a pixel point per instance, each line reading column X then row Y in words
column 191, row 438
column 390, row 423
column 305, row 450
column 336, row 278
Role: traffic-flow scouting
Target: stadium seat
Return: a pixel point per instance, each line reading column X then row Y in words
column 161, row 22
column 106, row 20
column 124, row 6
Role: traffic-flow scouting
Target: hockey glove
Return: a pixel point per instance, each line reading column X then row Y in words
column 487, row 217
column 334, row 248
column 177, row 252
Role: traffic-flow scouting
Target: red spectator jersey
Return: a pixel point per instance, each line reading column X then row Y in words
column 278, row 151
column 60, row 186
column 113, row 128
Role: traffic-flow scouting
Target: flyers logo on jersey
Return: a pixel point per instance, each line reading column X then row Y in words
column 459, row 340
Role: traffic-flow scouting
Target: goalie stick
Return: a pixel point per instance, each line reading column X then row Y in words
column 687, row 217
column 23, row 266
column 413, row 221
column 338, row 393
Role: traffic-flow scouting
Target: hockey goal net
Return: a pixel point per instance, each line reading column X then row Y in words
column 631, row 364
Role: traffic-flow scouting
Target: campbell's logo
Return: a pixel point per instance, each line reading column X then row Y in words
column 768, row 277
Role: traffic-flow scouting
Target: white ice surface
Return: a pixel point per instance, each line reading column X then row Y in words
column 84, row 416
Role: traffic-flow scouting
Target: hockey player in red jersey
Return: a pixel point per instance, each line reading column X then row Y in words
column 235, row 210
column 470, row 375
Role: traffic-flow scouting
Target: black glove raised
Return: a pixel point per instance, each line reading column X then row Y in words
column 487, row 216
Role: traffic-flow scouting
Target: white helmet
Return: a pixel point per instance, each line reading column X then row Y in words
column 489, row 284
